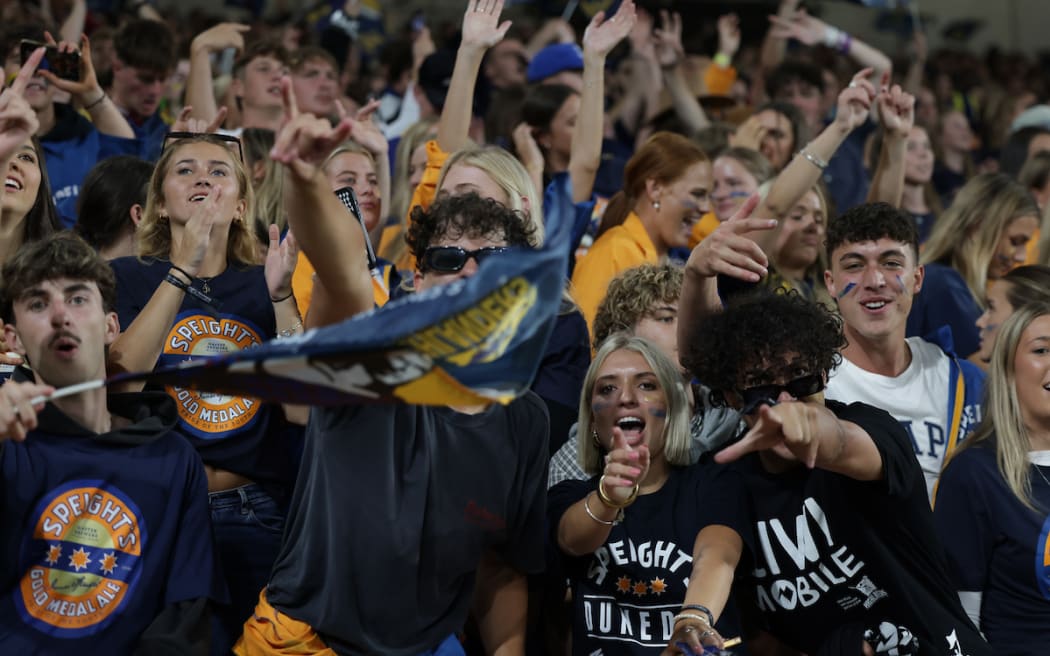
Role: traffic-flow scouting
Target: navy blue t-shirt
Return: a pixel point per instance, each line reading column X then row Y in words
column 945, row 300
column 239, row 434
column 998, row 547
column 100, row 532
column 626, row 594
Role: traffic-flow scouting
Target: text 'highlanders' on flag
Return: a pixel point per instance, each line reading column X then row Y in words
column 471, row 341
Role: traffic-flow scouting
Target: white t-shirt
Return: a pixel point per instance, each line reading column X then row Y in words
column 918, row 399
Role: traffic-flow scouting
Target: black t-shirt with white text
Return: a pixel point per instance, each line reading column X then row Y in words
column 832, row 551
column 626, row 594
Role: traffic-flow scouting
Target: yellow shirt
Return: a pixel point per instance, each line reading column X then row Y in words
column 622, row 247
column 702, row 228
column 423, row 196
column 303, row 285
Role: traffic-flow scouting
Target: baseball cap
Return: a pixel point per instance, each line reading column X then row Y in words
column 553, row 60
column 435, row 76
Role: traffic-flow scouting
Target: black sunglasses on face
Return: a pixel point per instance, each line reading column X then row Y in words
column 452, row 259
column 229, row 140
column 799, row 388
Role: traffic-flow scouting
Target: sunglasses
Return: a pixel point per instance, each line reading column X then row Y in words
column 452, row 259
column 753, row 397
column 228, row 140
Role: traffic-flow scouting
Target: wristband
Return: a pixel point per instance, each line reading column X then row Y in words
column 813, row 159
column 702, row 609
column 92, row 105
column 691, row 616
column 723, row 60
column 283, row 298
column 192, row 291
column 833, row 36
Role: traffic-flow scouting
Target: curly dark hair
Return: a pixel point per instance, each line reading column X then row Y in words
column 794, row 70
column 63, row 255
column 757, row 329
column 870, row 222
column 468, row 216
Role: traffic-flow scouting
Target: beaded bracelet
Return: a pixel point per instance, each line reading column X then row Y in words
column 702, row 609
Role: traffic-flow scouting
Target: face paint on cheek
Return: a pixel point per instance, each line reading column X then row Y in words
column 739, row 194
column 600, row 407
column 847, row 290
column 659, row 413
column 901, row 286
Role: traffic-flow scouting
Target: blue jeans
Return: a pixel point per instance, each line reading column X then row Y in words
column 248, row 524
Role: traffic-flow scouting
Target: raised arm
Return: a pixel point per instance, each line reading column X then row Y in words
column 586, row 524
column 334, row 244
column 917, row 65
column 600, row 37
column 73, row 26
column 671, row 55
column 726, row 251
column 815, row 436
column 805, row 169
column 88, row 93
column 481, row 31
column 897, row 114
column 367, row 133
column 811, row 31
column 716, row 552
column 774, row 45
column 199, row 92
column 139, row 345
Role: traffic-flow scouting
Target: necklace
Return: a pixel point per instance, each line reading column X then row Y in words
column 1041, row 475
column 205, row 287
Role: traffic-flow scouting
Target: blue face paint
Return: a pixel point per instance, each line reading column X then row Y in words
column 659, row 413
column 739, row 194
column 900, row 283
column 847, row 290
column 600, row 407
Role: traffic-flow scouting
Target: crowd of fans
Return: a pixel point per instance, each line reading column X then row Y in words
column 796, row 398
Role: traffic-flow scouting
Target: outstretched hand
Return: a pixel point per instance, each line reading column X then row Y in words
column 625, row 467
column 481, row 26
column 667, row 39
column 281, row 258
column 799, row 26
column 185, row 122
column 791, row 425
column 855, row 101
column 896, row 110
column 602, row 35
column 729, row 251
column 304, row 141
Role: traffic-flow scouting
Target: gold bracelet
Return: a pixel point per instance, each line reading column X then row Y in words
column 610, row 503
column 616, row 520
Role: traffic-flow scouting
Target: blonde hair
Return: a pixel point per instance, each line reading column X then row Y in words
column 677, row 437
column 1003, row 420
column 509, row 174
column 966, row 235
column 153, row 235
column 269, row 193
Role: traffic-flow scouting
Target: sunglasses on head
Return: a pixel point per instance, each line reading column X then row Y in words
column 799, row 388
column 452, row 259
column 229, row 140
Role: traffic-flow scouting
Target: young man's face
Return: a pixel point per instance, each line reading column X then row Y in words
column 259, row 84
column 660, row 326
column 316, row 85
column 874, row 283
column 138, row 90
column 434, row 278
column 62, row 331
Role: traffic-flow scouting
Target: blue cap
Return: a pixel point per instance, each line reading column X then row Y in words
column 553, row 60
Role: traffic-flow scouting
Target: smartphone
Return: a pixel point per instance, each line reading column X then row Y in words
column 65, row 65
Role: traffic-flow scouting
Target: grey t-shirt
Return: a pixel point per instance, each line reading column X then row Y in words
column 393, row 509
